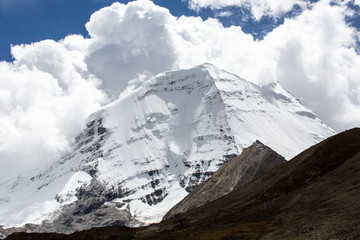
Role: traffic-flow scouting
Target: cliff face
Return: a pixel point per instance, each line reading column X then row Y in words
column 251, row 163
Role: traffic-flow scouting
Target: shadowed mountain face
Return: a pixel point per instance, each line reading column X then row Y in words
column 253, row 162
column 313, row 196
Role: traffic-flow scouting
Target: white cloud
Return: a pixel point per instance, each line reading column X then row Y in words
column 259, row 8
column 127, row 40
column 223, row 14
column 47, row 92
column 45, row 95
column 317, row 62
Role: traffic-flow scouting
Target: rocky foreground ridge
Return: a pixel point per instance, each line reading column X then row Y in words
column 253, row 162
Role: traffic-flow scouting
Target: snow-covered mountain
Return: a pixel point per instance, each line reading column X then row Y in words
column 143, row 153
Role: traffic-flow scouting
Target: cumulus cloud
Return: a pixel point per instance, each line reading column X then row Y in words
column 127, row 40
column 318, row 63
column 259, row 8
column 45, row 95
column 50, row 88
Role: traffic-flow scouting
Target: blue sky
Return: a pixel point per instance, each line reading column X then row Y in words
column 31, row 21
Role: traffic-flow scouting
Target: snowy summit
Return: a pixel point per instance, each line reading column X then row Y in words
column 144, row 152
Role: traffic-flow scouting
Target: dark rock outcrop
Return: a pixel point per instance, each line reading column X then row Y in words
column 88, row 211
column 253, row 162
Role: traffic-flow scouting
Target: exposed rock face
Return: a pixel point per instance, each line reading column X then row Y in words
column 88, row 211
column 251, row 163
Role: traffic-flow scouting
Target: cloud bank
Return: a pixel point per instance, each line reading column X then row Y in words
column 45, row 95
column 50, row 88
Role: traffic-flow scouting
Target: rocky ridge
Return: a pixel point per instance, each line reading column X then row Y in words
column 253, row 162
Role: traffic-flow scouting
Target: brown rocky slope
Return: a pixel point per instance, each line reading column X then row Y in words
column 316, row 195
column 253, row 162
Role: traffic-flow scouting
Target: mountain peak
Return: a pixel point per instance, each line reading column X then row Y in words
column 196, row 77
column 147, row 150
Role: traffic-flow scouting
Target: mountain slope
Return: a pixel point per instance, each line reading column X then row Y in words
column 313, row 196
column 253, row 162
column 143, row 153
